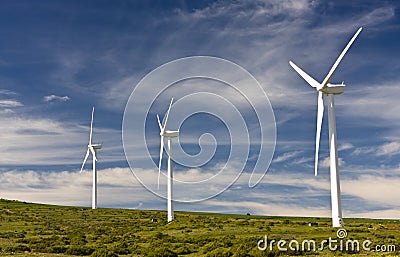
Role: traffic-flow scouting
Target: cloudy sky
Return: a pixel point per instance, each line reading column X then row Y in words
column 60, row 58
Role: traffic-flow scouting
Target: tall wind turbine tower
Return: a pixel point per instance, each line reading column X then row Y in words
column 92, row 148
column 326, row 91
column 168, row 134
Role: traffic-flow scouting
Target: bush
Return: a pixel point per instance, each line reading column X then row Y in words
column 137, row 249
column 184, row 250
column 58, row 249
column 19, row 248
column 159, row 235
column 209, row 247
column 121, row 248
column 220, row 252
column 162, row 252
column 79, row 250
column 104, row 253
column 78, row 240
column 241, row 250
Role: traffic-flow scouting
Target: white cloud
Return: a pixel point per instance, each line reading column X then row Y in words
column 72, row 188
column 286, row 156
column 378, row 15
column 326, row 162
column 7, row 92
column 10, row 103
column 364, row 150
column 345, row 146
column 270, row 209
column 38, row 141
column 381, row 190
column 388, row 149
column 51, row 98
column 6, row 111
column 378, row 214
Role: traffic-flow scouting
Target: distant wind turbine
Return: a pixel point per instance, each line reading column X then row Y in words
column 92, row 148
column 168, row 134
column 327, row 91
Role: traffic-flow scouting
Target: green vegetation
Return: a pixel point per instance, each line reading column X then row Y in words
column 43, row 230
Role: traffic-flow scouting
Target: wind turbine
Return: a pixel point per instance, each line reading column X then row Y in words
column 168, row 134
column 326, row 91
column 92, row 148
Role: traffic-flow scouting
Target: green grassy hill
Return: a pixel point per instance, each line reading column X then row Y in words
column 28, row 229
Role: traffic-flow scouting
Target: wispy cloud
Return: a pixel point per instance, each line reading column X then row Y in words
column 326, row 162
column 10, row 103
column 286, row 156
column 53, row 98
column 72, row 188
column 7, row 92
column 345, row 146
column 388, row 149
column 44, row 141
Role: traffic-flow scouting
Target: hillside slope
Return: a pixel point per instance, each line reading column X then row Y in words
column 28, row 229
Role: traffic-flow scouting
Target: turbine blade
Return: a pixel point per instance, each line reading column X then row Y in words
column 93, row 153
column 84, row 160
column 91, row 128
column 339, row 59
column 167, row 115
column 159, row 163
column 320, row 115
column 304, row 75
column 159, row 123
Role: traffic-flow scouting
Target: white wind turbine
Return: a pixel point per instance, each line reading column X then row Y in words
column 92, row 149
column 327, row 91
column 168, row 134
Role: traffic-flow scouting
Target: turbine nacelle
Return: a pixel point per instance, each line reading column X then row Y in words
column 170, row 133
column 95, row 146
column 335, row 89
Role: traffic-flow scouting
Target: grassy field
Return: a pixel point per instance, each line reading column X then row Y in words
column 43, row 230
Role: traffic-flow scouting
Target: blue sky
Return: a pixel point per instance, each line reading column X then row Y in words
column 60, row 58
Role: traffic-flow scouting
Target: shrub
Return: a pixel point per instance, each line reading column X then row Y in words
column 79, row 250
column 78, row 240
column 104, row 253
column 162, row 252
column 58, row 249
column 211, row 246
column 159, row 235
column 242, row 250
column 121, row 248
column 137, row 249
column 220, row 252
column 184, row 250
column 19, row 248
